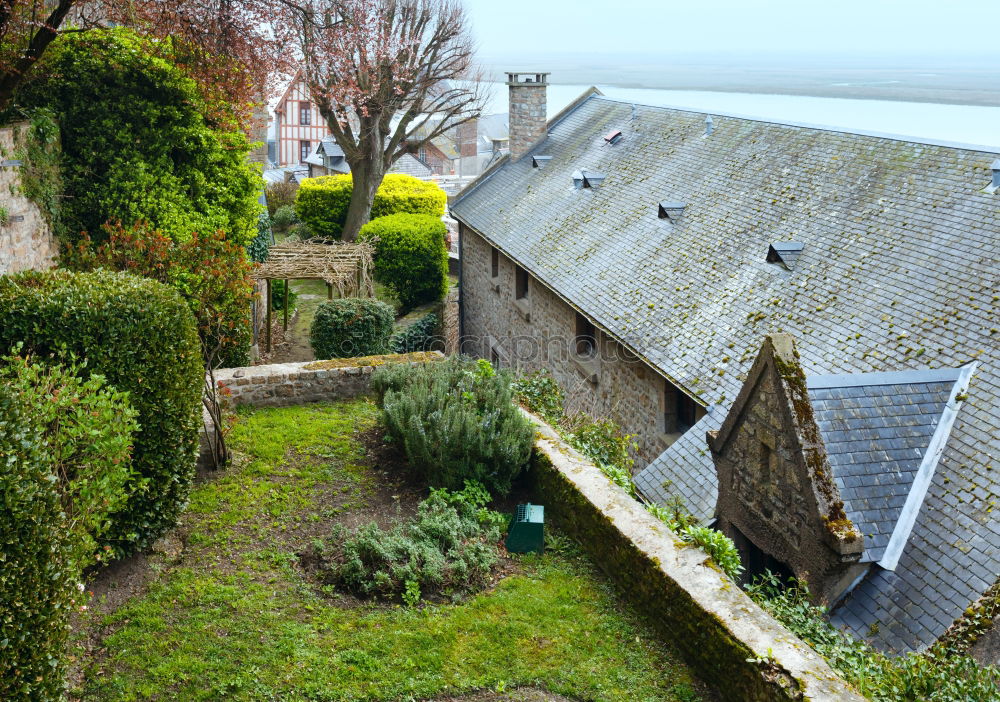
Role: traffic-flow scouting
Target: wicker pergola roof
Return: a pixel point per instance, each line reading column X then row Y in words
column 347, row 267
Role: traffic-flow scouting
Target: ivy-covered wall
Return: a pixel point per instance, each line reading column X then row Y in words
column 28, row 199
column 730, row 641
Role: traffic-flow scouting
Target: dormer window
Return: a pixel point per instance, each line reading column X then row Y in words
column 670, row 210
column 540, row 161
column 613, row 137
column 592, row 179
column 785, row 253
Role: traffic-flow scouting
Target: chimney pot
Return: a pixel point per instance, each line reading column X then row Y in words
column 709, row 125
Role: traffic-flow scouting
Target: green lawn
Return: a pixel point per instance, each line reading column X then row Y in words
column 236, row 618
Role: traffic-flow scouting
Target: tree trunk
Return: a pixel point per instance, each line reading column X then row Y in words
column 366, row 179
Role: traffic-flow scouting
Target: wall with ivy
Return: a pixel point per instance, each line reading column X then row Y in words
column 28, row 195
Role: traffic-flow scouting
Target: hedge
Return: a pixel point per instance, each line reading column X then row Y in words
column 410, row 256
column 321, row 203
column 351, row 327
column 64, row 448
column 419, row 336
column 140, row 335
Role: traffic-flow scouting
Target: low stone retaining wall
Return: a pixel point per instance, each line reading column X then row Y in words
column 284, row 384
column 725, row 637
column 26, row 242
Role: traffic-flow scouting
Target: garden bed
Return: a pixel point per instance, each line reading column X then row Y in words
column 224, row 608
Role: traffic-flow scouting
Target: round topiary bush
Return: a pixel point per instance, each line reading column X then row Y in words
column 321, row 203
column 351, row 327
column 140, row 335
column 410, row 256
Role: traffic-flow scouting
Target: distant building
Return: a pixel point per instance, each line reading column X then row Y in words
column 299, row 127
column 652, row 259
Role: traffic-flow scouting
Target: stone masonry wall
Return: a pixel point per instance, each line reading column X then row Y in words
column 285, row 384
column 449, row 322
column 615, row 385
column 26, row 244
column 724, row 636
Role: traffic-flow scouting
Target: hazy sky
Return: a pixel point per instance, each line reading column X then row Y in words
column 543, row 27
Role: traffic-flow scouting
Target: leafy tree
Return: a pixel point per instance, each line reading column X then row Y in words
column 380, row 71
column 138, row 144
column 27, row 27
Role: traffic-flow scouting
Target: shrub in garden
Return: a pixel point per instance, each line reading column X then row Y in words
column 936, row 674
column 278, row 295
column 350, row 327
column 540, row 394
column 456, row 421
column 64, row 449
column 260, row 248
column 410, row 256
column 141, row 337
column 280, row 195
column 449, row 547
column 419, row 336
column 284, row 218
column 140, row 141
column 212, row 273
column 322, row 202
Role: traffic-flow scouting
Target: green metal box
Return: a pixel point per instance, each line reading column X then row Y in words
column 527, row 529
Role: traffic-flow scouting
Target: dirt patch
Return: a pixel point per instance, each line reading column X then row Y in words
column 521, row 694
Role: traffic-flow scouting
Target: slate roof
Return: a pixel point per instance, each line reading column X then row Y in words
column 899, row 270
column 877, row 429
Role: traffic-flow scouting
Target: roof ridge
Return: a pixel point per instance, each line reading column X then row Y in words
column 909, row 139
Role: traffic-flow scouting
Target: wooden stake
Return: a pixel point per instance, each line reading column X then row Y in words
column 284, row 307
column 329, row 291
column 267, row 301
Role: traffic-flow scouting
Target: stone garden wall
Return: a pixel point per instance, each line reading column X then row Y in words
column 724, row 636
column 284, row 384
column 26, row 242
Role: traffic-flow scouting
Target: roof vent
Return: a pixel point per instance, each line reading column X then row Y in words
column 709, row 125
column 577, row 179
column 614, row 136
column 995, row 167
column 671, row 210
column 784, row 252
column 540, row 161
column 593, row 179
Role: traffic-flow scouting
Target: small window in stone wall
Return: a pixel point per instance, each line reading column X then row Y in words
column 585, row 342
column 680, row 412
column 520, row 283
column 494, row 262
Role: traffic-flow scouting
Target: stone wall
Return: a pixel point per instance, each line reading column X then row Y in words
column 728, row 640
column 26, row 242
column 539, row 332
column 449, row 322
column 285, row 384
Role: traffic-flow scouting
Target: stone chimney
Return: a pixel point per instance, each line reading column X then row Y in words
column 527, row 111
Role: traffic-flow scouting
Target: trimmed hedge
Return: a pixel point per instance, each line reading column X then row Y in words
column 457, row 421
column 419, row 336
column 140, row 335
column 64, row 448
column 410, row 256
column 321, row 203
column 351, row 327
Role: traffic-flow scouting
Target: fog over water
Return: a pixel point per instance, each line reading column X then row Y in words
column 964, row 124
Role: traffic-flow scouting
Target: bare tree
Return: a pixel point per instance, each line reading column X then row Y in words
column 379, row 71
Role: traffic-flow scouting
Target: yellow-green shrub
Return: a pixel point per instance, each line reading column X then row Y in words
column 321, row 203
column 410, row 256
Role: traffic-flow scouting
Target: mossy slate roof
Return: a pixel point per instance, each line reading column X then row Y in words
column 899, row 270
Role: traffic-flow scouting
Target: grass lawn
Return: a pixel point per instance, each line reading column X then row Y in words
column 232, row 615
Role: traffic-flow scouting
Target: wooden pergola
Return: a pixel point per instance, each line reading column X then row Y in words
column 346, row 267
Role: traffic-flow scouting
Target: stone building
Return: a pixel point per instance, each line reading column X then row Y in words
column 643, row 254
